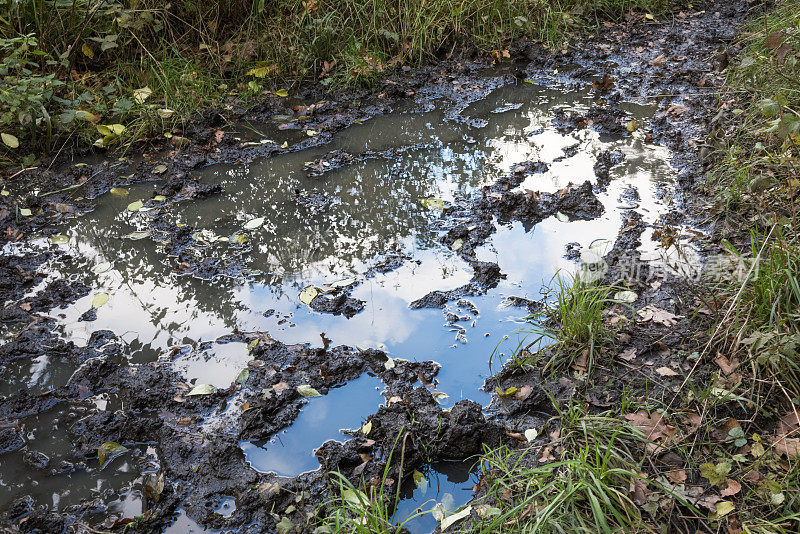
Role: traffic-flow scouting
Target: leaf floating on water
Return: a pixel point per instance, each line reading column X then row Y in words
column 136, row 236
column 307, row 391
column 367, row 428
column 341, row 283
column 433, row 203
column 25, row 212
column 252, row 224
column 452, row 519
column 201, row 389
column 135, row 206
column 626, row 296
column 108, row 451
column 160, row 169
column 457, row 244
column 100, row 268
column 59, row 238
column 562, row 217
column 99, row 299
column 244, row 374
column 439, row 396
column 119, row 192
column 420, row 481
column 308, row 294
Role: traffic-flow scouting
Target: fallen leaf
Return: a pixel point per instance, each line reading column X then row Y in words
column 727, row 366
column 724, row 508
column 732, row 488
column 366, row 428
column 252, row 224
column 657, row 62
column 524, row 392
column 160, row 169
column 677, row 477
column 9, row 140
column 452, row 519
column 99, row 299
column 201, row 389
column 308, row 294
column 657, row 315
column 666, row 371
column 108, row 451
column 628, row 354
column 307, row 391
column 135, row 206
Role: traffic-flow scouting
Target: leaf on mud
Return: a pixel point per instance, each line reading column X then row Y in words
column 201, row 389
column 366, row 428
column 389, row 363
column 308, row 294
column 657, row 315
column 563, row 217
column 307, row 391
column 108, row 451
column 530, row 434
column 9, row 140
column 119, row 192
column 142, row 94
column 160, row 169
column 627, row 297
column 165, row 113
column 242, row 377
column 657, row 62
column 59, row 238
column 311, row 133
column 252, row 224
column 100, row 268
column 135, row 206
column 439, row 396
column 524, row 392
column 666, row 371
column 25, row 212
column 507, row 392
column 628, row 354
column 632, row 126
column 283, row 93
column 433, row 203
column 455, row 518
column 99, row 299
column 285, row 526
column 159, row 198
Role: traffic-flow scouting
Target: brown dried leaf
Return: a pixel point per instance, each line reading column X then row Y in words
column 524, row 392
column 628, row 354
column 775, row 39
column 666, row 371
column 677, row 476
column 657, row 62
column 732, row 488
column 727, row 366
column 657, row 315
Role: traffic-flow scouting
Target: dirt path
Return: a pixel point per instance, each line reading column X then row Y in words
column 188, row 446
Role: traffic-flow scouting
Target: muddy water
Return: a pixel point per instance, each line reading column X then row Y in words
column 320, row 228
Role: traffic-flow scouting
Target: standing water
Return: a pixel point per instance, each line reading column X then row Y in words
column 308, row 218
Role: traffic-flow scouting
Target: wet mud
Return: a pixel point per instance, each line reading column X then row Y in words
column 191, row 457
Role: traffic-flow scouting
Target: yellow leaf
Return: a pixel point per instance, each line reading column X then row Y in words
column 9, row 140
column 99, row 300
column 724, row 508
column 367, row 428
column 283, row 93
column 87, row 51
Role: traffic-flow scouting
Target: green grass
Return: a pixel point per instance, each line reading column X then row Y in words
column 193, row 55
column 586, row 490
column 570, row 330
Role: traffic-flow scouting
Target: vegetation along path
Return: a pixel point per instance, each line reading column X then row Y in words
column 352, row 266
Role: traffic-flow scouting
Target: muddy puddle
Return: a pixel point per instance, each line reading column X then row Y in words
column 361, row 219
